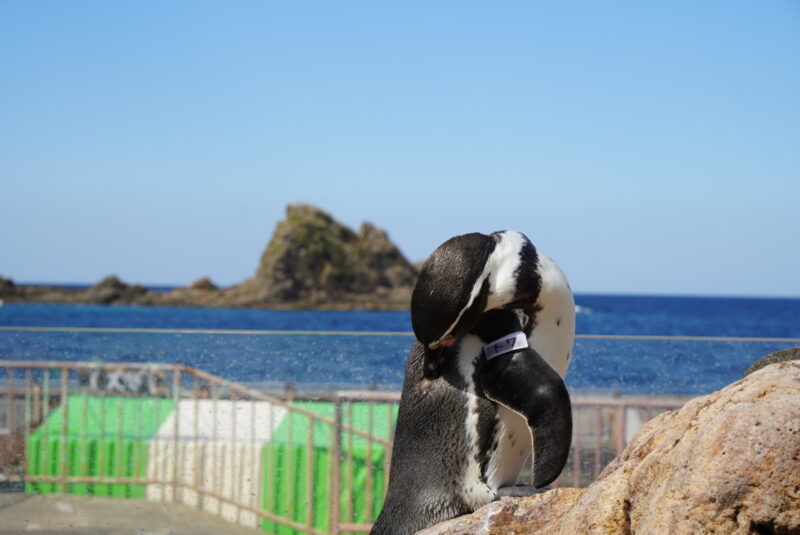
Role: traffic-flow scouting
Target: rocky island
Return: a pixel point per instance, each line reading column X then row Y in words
column 311, row 262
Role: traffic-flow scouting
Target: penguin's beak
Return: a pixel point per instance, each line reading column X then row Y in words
column 525, row 383
column 435, row 356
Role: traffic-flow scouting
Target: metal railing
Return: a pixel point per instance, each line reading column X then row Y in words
column 285, row 464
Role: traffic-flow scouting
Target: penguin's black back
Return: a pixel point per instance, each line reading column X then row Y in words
column 429, row 455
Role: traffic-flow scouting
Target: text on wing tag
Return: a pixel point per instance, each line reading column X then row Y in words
column 505, row 344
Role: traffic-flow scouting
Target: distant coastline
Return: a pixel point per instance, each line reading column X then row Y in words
column 311, row 262
column 112, row 291
column 157, row 288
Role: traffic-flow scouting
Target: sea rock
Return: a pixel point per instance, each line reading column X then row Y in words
column 201, row 292
column 111, row 290
column 204, row 284
column 7, row 288
column 792, row 353
column 313, row 260
column 726, row 463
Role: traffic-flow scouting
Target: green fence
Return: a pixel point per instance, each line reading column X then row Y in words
column 101, row 445
column 287, row 462
column 106, row 438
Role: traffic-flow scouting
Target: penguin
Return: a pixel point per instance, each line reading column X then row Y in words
column 494, row 323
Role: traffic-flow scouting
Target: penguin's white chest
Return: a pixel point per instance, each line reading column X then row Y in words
column 513, row 437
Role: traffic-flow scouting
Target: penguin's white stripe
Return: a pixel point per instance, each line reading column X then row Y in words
column 554, row 333
column 503, row 264
column 474, row 490
column 499, row 268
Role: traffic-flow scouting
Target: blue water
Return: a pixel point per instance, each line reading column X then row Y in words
column 628, row 366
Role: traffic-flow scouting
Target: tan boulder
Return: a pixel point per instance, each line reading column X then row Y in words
column 726, row 463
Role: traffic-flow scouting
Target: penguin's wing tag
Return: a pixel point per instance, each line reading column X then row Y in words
column 506, row 344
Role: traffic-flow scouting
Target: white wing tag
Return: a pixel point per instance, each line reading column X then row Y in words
column 505, row 344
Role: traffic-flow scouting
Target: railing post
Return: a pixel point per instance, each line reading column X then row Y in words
column 28, row 425
column 336, row 453
column 619, row 428
column 64, row 427
column 10, row 400
column 176, row 396
column 598, row 441
column 576, row 449
column 196, row 479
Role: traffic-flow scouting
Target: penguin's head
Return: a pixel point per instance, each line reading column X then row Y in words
column 464, row 277
column 450, row 295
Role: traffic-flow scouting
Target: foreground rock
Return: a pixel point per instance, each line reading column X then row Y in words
column 312, row 261
column 727, row 463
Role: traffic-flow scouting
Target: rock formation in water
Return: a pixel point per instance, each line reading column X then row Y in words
column 107, row 291
column 312, row 261
column 111, row 290
column 315, row 260
column 727, row 463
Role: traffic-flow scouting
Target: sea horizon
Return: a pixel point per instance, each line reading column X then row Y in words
column 160, row 287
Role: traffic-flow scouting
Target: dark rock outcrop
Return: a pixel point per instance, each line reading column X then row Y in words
column 311, row 261
column 792, row 353
column 113, row 290
column 204, row 284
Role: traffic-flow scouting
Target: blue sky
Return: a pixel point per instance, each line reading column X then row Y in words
column 647, row 147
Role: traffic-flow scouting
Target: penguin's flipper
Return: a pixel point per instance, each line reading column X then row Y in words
column 525, row 383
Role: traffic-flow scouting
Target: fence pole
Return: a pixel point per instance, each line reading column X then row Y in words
column 333, row 522
column 289, row 487
column 196, row 481
column 216, row 460
column 270, row 479
column 576, row 453
column 176, row 396
column 256, row 471
column 120, row 448
column 28, row 416
column 10, row 401
column 368, row 465
column 387, row 451
column 236, row 484
column 310, row 474
column 619, row 428
column 47, row 468
column 348, row 477
column 138, row 440
column 598, row 441
column 64, row 411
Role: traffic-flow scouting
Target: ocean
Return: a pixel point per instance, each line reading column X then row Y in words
column 366, row 348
